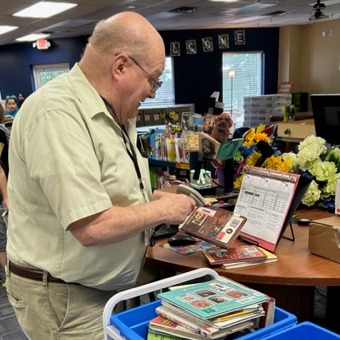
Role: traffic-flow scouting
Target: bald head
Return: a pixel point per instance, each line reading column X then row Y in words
column 128, row 32
column 123, row 61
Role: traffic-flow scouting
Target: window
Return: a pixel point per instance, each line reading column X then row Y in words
column 246, row 80
column 165, row 95
column 44, row 73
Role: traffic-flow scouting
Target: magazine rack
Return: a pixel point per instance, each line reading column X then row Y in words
column 110, row 332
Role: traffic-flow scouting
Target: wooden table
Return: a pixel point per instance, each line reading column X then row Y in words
column 295, row 130
column 291, row 280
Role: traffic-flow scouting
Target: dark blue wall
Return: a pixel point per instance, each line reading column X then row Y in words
column 16, row 63
column 196, row 76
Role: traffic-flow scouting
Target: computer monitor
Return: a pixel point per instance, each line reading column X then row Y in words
column 326, row 113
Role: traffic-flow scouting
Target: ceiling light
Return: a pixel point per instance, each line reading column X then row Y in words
column 183, row 10
column 33, row 37
column 275, row 13
column 248, row 19
column 44, row 9
column 248, row 9
column 4, row 29
column 228, row 1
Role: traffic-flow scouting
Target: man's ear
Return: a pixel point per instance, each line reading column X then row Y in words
column 120, row 64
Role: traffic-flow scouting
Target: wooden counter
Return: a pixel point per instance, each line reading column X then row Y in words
column 291, row 280
column 295, row 130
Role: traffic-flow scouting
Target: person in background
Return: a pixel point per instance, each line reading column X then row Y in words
column 3, row 226
column 82, row 207
column 4, row 140
column 11, row 106
column 4, row 143
column 21, row 99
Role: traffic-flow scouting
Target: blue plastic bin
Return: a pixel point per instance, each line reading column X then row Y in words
column 303, row 331
column 282, row 320
column 133, row 323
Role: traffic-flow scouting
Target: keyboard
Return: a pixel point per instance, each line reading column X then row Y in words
column 227, row 195
column 165, row 230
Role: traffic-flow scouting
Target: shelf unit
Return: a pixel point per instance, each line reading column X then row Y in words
column 154, row 115
column 158, row 167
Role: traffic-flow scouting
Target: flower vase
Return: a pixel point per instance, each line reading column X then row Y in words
column 289, row 112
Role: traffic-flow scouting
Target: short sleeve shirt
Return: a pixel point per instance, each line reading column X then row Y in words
column 68, row 160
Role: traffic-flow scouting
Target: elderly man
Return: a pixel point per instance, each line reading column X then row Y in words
column 81, row 200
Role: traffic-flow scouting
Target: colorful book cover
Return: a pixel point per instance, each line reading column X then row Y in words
column 270, row 258
column 213, row 224
column 246, row 253
column 228, row 148
column 213, row 298
column 152, row 335
column 163, row 325
column 210, row 148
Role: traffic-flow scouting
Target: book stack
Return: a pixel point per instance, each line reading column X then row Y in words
column 240, row 256
column 210, row 310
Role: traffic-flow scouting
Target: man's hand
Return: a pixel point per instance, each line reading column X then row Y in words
column 177, row 206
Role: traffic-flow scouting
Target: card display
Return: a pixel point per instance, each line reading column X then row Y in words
column 265, row 199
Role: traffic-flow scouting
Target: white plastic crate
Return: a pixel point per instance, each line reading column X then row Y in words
column 111, row 332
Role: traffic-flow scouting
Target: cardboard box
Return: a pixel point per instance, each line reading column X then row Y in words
column 324, row 238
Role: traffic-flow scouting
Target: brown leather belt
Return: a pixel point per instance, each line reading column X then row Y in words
column 32, row 274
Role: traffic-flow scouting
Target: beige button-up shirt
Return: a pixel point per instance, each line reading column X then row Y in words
column 68, row 161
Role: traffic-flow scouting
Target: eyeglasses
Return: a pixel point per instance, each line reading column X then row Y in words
column 157, row 83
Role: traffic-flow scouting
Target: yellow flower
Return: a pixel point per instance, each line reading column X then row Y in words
column 289, row 108
column 261, row 136
column 252, row 159
column 172, row 114
column 253, row 136
column 238, row 182
column 277, row 163
column 169, row 115
column 249, row 138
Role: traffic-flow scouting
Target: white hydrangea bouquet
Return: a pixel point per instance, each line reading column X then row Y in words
column 323, row 164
